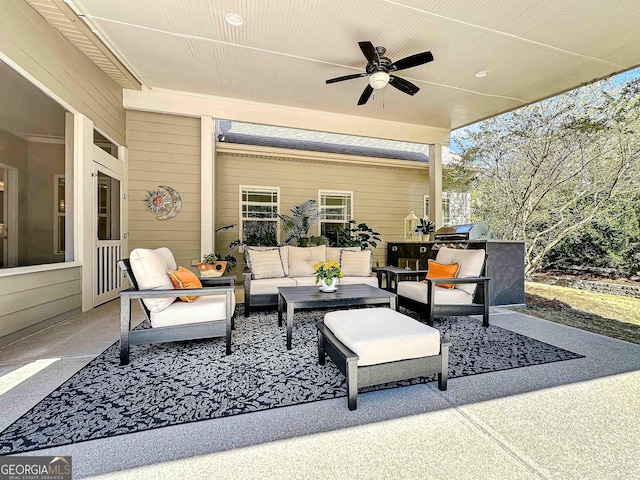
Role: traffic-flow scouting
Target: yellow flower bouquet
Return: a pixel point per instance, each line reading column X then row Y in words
column 327, row 271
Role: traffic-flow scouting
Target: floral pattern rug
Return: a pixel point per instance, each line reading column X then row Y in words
column 181, row 382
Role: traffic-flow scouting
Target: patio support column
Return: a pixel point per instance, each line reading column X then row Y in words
column 207, row 186
column 85, row 235
column 435, row 184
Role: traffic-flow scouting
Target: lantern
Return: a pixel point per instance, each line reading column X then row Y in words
column 410, row 224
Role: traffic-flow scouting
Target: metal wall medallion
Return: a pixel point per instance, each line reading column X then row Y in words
column 164, row 199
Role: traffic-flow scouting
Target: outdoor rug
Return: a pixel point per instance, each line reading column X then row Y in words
column 181, row 382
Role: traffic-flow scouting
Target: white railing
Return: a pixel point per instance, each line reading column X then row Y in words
column 108, row 275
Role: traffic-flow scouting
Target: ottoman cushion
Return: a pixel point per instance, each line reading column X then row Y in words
column 381, row 335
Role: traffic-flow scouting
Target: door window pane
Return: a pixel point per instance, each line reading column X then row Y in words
column 108, row 207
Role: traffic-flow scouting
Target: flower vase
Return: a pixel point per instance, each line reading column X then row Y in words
column 331, row 287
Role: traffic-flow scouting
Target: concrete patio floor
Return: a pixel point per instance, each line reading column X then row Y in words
column 577, row 419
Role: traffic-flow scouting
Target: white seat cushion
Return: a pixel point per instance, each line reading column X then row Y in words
column 202, row 309
column 306, row 281
column 381, row 335
column 269, row 286
column 372, row 281
column 150, row 267
column 470, row 261
column 442, row 296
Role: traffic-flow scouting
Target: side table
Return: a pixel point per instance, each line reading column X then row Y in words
column 223, row 281
column 391, row 275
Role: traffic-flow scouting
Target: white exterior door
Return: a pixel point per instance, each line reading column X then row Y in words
column 109, row 230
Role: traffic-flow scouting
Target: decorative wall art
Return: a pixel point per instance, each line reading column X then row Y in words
column 164, row 199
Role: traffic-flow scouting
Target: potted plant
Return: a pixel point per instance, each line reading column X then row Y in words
column 296, row 226
column 326, row 274
column 424, row 227
column 216, row 264
column 360, row 235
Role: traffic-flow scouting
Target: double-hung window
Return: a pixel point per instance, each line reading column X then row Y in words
column 446, row 208
column 259, row 207
column 335, row 210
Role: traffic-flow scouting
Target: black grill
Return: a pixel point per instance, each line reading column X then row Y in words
column 456, row 236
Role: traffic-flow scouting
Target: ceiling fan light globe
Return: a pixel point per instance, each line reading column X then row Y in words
column 379, row 80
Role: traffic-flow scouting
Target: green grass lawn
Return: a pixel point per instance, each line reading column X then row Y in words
column 611, row 315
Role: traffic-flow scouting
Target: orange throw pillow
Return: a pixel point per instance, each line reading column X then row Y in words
column 183, row 279
column 440, row 270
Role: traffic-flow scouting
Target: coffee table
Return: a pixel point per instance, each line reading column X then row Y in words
column 292, row 298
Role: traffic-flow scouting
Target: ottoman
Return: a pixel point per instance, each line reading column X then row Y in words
column 372, row 346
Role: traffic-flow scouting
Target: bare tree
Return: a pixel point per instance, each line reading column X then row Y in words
column 546, row 170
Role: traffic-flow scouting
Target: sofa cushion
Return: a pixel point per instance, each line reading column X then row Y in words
column 150, row 267
column 440, row 270
column 269, row 286
column 301, row 260
column 265, row 263
column 355, row 264
column 471, row 263
column 442, row 296
column 372, row 281
column 284, row 256
column 306, row 281
column 183, row 279
column 381, row 335
column 204, row 309
column 333, row 253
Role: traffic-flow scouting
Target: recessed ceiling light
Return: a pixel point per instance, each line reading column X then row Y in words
column 482, row 73
column 234, row 19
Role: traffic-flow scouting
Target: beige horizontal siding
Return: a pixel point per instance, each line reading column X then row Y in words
column 164, row 150
column 31, row 298
column 382, row 195
column 32, row 43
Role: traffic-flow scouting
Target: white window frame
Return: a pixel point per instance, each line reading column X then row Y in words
column 425, row 205
column 57, row 214
column 241, row 203
column 446, row 208
column 321, row 220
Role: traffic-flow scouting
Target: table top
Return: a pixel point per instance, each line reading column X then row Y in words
column 343, row 294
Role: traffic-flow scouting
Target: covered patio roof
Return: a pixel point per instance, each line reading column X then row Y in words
column 283, row 53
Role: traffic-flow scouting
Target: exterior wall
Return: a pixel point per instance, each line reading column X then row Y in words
column 31, row 299
column 382, row 196
column 164, row 150
column 27, row 39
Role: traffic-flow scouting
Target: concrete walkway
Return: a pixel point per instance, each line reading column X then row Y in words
column 577, row 419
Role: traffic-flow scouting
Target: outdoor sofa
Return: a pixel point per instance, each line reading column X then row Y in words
column 287, row 266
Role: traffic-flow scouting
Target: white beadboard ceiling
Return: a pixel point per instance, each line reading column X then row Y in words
column 286, row 49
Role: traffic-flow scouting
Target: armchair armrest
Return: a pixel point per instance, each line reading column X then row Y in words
column 436, row 281
column 131, row 293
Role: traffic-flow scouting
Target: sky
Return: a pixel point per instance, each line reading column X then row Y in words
column 619, row 79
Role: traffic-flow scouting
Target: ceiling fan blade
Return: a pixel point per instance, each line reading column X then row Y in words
column 347, row 77
column 370, row 52
column 365, row 95
column 412, row 61
column 403, row 85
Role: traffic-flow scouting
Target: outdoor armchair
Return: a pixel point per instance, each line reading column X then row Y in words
column 464, row 298
column 210, row 314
